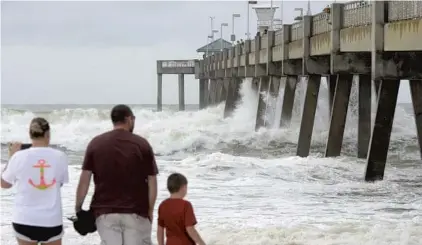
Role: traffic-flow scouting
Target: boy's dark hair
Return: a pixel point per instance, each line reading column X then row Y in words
column 38, row 128
column 119, row 113
column 176, row 181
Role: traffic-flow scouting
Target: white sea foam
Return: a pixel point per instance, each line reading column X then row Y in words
column 250, row 200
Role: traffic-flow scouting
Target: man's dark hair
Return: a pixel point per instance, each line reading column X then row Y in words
column 119, row 113
column 38, row 128
column 176, row 181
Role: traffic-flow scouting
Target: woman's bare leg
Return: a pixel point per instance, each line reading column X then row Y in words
column 22, row 242
column 56, row 242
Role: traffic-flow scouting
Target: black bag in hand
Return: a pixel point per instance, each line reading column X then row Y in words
column 84, row 222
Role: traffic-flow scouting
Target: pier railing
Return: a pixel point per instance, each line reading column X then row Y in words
column 346, row 28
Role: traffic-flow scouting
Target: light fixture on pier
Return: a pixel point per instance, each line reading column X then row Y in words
column 208, row 42
column 212, row 27
column 300, row 17
column 212, row 39
column 221, row 34
column 233, row 36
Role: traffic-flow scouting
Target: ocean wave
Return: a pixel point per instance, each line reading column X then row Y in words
column 173, row 132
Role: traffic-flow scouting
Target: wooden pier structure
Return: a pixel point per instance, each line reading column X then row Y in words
column 378, row 41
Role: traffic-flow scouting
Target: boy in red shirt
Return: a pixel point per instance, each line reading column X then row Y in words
column 176, row 215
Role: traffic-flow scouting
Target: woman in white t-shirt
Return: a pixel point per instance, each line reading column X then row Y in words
column 37, row 174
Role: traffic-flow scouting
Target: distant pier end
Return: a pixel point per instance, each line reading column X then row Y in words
column 180, row 68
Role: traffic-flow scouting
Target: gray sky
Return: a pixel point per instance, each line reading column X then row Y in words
column 105, row 52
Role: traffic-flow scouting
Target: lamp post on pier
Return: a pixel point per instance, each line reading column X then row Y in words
column 208, row 42
column 221, row 35
column 210, row 37
column 212, row 26
column 233, row 36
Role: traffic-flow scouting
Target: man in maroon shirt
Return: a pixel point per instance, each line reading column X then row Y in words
column 124, row 170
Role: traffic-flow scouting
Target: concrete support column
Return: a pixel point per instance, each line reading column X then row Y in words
column 159, row 92
column 288, row 99
column 224, row 87
column 308, row 115
column 416, row 92
column 203, row 90
column 255, row 84
column 274, row 86
column 181, row 92
column 220, row 88
column 213, row 91
column 338, row 115
column 332, row 82
column 263, row 88
column 217, row 91
column 380, row 139
column 232, row 96
column 377, row 87
column 209, row 95
column 364, row 123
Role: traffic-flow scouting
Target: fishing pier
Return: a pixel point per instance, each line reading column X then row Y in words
column 380, row 42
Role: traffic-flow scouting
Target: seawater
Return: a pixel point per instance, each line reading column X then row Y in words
column 247, row 187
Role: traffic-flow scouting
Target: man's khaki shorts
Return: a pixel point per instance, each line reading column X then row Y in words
column 124, row 229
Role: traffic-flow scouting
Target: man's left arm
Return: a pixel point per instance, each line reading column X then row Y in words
column 85, row 178
column 152, row 171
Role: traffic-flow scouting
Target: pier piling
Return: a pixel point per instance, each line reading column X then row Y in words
column 364, row 117
column 274, row 86
column 159, row 92
column 416, row 94
column 203, row 91
column 209, row 95
column 232, row 96
column 338, row 115
column 223, row 89
column 290, row 83
column 308, row 115
column 212, row 92
column 219, row 91
column 380, row 139
column 181, row 92
column 332, row 82
column 216, row 94
column 263, row 89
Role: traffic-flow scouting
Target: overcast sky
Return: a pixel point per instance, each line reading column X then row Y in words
column 105, row 52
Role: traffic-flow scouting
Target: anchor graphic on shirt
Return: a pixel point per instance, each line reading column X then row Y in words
column 42, row 185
